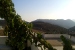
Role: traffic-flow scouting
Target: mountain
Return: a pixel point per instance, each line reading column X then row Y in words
column 72, row 29
column 73, row 20
column 60, row 22
column 48, row 28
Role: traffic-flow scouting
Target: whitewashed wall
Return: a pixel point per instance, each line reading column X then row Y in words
column 55, row 35
column 3, row 46
column 72, row 38
column 3, row 39
column 33, row 47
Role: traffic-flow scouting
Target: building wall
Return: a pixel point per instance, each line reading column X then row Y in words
column 3, row 39
column 55, row 35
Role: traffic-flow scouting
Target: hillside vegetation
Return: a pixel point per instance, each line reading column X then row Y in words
column 72, row 28
column 60, row 22
column 48, row 28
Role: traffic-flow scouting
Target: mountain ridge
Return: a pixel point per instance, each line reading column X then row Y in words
column 60, row 22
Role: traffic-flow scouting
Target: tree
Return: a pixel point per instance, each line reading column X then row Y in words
column 66, row 43
column 18, row 31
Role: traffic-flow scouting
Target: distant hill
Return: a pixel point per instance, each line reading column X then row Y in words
column 72, row 29
column 73, row 20
column 48, row 28
column 60, row 22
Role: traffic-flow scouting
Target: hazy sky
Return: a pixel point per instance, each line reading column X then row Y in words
column 31, row 10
